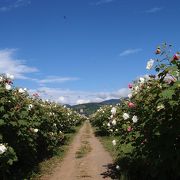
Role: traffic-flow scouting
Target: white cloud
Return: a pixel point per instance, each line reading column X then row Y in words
column 11, row 65
column 130, row 51
column 13, row 5
column 154, row 10
column 102, row 2
column 82, row 101
column 56, row 79
column 66, row 96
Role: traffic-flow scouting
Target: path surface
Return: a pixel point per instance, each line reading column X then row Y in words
column 90, row 165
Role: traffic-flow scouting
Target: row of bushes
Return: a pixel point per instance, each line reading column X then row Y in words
column 146, row 126
column 30, row 129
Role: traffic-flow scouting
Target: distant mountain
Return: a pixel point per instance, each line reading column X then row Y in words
column 91, row 108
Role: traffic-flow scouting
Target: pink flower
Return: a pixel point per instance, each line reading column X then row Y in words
column 36, row 95
column 130, row 86
column 176, row 57
column 143, row 142
column 131, row 105
column 129, row 129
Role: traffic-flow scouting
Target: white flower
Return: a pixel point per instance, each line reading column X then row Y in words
column 134, row 119
column 111, row 116
column 136, row 88
column 1, row 79
column 129, row 96
column 8, row 87
column 2, row 148
column 54, row 125
column 159, row 107
column 114, row 142
column 117, row 167
column 142, row 80
column 21, row 90
column 114, row 122
column 113, row 111
column 35, row 130
column 108, row 124
column 125, row 116
column 30, row 106
column 150, row 64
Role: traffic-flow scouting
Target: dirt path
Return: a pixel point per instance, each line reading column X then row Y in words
column 86, row 158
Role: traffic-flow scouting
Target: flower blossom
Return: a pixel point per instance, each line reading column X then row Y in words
column 30, row 106
column 35, row 130
column 125, row 116
column 129, row 129
column 160, row 107
column 21, row 90
column 8, row 87
column 141, row 80
column 134, row 119
column 130, row 86
column 1, row 79
column 176, row 57
column 131, row 105
column 114, row 122
column 113, row 111
column 3, row 148
column 150, row 64
column 114, row 142
column 117, row 167
column 129, row 96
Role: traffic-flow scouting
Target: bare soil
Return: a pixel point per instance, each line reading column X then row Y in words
column 86, row 159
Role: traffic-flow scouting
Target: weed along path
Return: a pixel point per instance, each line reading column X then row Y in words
column 86, row 158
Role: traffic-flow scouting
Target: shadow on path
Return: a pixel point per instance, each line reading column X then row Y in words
column 110, row 172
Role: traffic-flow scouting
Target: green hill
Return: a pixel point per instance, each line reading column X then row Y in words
column 90, row 108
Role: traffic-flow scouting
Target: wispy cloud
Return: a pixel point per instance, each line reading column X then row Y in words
column 130, row 51
column 17, row 67
column 56, row 79
column 102, row 2
column 13, row 5
column 154, row 10
column 66, row 96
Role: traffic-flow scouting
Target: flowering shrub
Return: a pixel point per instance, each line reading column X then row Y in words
column 149, row 122
column 30, row 129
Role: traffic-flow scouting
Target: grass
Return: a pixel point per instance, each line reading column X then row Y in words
column 46, row 167
column 83, row 150
column 107, row 143
column 85, row 145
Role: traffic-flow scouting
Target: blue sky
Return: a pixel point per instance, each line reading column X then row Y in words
column 77, row 51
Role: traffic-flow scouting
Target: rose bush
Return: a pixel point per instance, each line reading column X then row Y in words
column 149, row 122
column 30, row 129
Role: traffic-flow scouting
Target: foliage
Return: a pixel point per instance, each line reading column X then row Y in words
column 30, row 129
column 149, row 122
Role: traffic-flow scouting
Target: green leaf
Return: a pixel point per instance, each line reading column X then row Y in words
column 2, row 109
column 1, row 122
column 167, row 94
column 6, row 116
